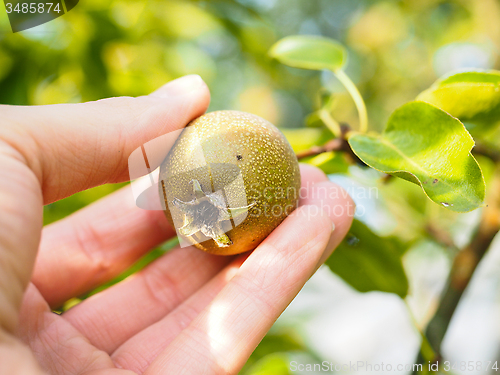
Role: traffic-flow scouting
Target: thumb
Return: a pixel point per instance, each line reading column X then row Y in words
column 50, row 152
column 73, row 147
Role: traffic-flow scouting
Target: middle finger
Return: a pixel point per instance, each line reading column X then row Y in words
column 95, row 244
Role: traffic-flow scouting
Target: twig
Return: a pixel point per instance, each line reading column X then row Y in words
column 337, row 144
column 464, row 265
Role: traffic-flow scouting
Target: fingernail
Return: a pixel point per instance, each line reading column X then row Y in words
column 180, row 86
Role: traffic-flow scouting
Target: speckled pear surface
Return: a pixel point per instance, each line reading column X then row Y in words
column 229, row 180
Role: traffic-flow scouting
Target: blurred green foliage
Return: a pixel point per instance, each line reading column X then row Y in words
column 127, row 47
column 397, row 49
column 60, row 209
column 367, row 261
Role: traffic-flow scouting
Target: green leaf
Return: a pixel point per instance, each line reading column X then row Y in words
column 470, row 96
column 304, row 138
column 368, row 262
column 314, row 121
column 330, row 162
column 309, row 52
column 327, row 99
column 428, row 147
column 271, row 364
column 272, row 343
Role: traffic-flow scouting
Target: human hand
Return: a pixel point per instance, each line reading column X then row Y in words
column 188, row 312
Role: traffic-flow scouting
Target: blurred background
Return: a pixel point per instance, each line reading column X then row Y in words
column 396, row 50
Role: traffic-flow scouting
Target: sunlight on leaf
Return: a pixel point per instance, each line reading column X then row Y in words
column 330, row 162
column 318, row 53
column 274, row 343
column 368, row 262
column 470, row 96
column 309, row 52
column 272, row 364
column 426, row 146
column 304, row 138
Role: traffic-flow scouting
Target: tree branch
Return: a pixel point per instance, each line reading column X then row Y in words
column 337, row 144
column 464, row 265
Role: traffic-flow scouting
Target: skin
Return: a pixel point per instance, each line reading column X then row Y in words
column 188, row 312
